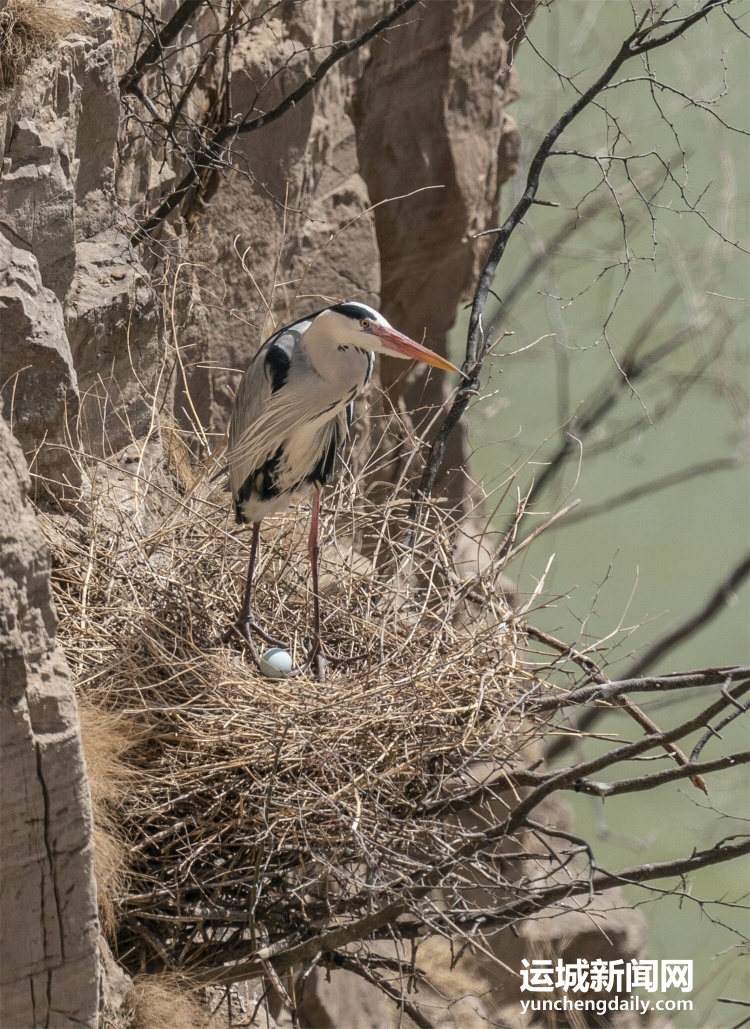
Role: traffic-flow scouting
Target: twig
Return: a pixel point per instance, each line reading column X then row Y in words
column 711, row 607
column 413, row 1012
column 208, row 154
column 595, row 673
column 637, row 43
column 154, row 52
column 714, row 731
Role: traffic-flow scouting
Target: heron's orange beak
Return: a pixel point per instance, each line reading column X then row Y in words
column 401, row 346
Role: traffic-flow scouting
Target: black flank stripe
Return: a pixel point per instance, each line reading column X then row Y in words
column 238, row 515
column 322, row 471
column 277, row 365
column 268, row 488
column 261, row 483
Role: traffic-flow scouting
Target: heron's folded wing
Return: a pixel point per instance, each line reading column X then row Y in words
column 266, row 421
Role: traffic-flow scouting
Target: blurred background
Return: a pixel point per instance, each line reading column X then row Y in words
column 658, row 274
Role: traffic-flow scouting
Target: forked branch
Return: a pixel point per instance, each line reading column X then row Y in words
column 643, row 39
column 215, row 152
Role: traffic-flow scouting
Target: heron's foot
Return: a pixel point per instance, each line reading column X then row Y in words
column 318, row 662
column 318, row 658
column 244, row 627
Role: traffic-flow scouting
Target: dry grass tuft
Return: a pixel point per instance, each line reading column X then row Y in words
column 161, row 1001
column 26, row 28
column 259, row 806
column 107, row 737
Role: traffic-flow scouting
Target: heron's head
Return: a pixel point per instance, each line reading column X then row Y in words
column 357, row 325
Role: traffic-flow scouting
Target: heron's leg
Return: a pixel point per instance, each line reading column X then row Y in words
column 246, row 619
column 313, row 550
column 318, row 655
column 246, row 611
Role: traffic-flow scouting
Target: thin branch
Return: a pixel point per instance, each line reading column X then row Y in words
column 725, row 850
column 650, row 684
column 212, row 152
column 339, row 50
column 154, row 52
column 709, row 609
column 638, row 42
column 543, row 251
column 198, row 71
column 411, row 1010
column 595, row 673
column 654, row 779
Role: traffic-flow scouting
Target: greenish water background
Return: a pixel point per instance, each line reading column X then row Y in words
column 632, row 573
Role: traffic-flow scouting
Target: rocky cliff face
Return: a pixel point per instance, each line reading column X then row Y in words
column 49, row 963
column 414, row 126
column 80, row 347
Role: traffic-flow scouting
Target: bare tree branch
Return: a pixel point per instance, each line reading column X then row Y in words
column 155, row 51
column 709, row 609
column 567, row 777
column 639, row 716
column 698, row 679
column 646, row 782
column 546, row 897
column 213, row 152
column 643, row 39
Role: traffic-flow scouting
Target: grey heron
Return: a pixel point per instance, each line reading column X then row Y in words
column 291, row 414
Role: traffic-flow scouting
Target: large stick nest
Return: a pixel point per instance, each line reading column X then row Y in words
column 261, row 807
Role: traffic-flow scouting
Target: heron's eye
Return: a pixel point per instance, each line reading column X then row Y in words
column 364, row 323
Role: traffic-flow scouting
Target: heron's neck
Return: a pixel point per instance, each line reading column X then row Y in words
column 343, row 366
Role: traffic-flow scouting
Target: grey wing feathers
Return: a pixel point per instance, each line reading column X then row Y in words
column 285, row 428
column 249, row 444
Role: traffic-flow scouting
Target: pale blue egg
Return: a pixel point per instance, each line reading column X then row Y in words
column 276, row 663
